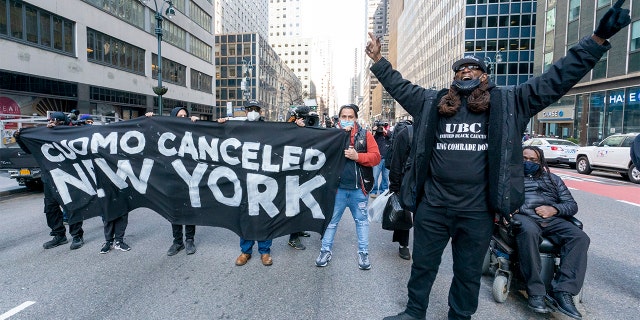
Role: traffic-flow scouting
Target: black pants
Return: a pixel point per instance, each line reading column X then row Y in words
column 401, row 237
column 54, row 216
column 114, row 229
column 469, row 232
column 573, row 254
column 189, row 231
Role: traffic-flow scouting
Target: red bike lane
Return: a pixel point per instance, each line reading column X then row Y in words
column 622, row 192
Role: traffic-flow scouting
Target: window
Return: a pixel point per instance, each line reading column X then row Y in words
column 107, row 50
column 634, row 54
column 199, row 16
column 172, row 71
column 602, row 3
column 201, row 81
column 551, row 20
column 574, row 9
column 31, row 25
column 117, row 96
column 202, row 50
column 129, row 11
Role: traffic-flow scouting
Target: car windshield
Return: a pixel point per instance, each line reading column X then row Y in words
column 562, row 142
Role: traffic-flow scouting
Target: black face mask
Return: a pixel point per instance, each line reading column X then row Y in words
column 465, row 87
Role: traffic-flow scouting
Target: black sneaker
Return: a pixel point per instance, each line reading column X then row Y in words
column 404, row 253
column 296, row 244
column 175, row 248
column 401, row 316
column 120, row 245
column 191, row 248
column 56, row 241
column 76, row 243
column 106, row 247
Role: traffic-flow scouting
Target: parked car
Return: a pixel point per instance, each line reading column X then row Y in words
column 555, row 150
column 611, row 154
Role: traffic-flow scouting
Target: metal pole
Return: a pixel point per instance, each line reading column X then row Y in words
column 159, row 33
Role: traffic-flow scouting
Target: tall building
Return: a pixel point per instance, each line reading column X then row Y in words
column 103, row 61
column 607, row 100
column 233, row 16
column 247, row 68
column 372, row 101
column 287, row 39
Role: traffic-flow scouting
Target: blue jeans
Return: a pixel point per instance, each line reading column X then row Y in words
column 382, row 181
column 246, row 246
column 356, row 201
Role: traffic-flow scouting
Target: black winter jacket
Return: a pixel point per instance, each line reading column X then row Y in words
column 550, row 190
column 511, row 108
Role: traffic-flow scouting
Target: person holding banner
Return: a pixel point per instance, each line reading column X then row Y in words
column 51, row 205
column 466, row 158
column 356, row 181
column 253, row 113
column 189, row 230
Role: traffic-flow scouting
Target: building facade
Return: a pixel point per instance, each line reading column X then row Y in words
column 247, row 68
column 607, row 100
column 103, row 62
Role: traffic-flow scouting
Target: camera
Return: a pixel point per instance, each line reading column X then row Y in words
column 380, row 125
column 304, row 113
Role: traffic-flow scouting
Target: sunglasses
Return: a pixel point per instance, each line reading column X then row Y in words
column 468, row 66
column 249, row 109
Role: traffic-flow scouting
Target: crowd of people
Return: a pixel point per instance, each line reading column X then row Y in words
column 462, row 163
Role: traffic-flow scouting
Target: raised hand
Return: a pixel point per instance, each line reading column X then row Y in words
column 373, row 47
column 613, row 21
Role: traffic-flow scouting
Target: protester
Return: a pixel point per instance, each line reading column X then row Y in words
column 547, row 204
column 114, row 230
column 635, row 152
column 380, row 172
column 189, row 230
column 51, row 205
column 253, row 113
column 356, row 180
column 467, row 158
column 401, row 148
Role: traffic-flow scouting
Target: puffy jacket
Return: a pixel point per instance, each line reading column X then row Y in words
column 511, row 107
column 550, row 190
column 635, row 152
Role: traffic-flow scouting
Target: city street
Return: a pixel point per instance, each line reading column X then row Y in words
column 145, row 283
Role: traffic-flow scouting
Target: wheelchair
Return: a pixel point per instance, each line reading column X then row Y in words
column 501, row 261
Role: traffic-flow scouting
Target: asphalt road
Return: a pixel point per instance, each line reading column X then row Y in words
column 145, row 283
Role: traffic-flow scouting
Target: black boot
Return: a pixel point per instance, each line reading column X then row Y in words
column 536, row 303
column 563, row 302
column 56, row 241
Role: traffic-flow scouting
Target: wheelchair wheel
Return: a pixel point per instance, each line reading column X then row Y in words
column 500, row 288
column 486, row 262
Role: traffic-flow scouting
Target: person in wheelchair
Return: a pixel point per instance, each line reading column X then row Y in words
column 547, row 205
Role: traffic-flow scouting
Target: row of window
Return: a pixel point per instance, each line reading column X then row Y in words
column 104, row 49
column 499, row 45
column 507, row 8
column 117, row 96
column 25, row 83
column 28, row 24
column 501, row 21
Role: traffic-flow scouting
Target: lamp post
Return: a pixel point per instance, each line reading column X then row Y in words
column 245, row 84
column 493, row 64
column 282, row 113
column 170, row 12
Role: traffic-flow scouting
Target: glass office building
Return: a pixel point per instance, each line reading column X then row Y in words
column 503, row 32
column 607, row 100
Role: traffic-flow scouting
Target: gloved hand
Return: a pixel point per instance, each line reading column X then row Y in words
column 613, row 21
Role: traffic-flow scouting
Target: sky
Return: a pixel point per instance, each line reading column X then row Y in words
column 343, row 22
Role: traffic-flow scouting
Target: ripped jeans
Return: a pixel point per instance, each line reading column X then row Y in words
column 356, row 201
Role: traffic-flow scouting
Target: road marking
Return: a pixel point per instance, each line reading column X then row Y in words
column 15, row 310
column 631, row 203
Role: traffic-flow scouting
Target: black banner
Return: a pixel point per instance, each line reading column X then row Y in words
column 260, row 180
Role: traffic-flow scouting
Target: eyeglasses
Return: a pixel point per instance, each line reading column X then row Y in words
column 249, row 109
column 468, row 66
